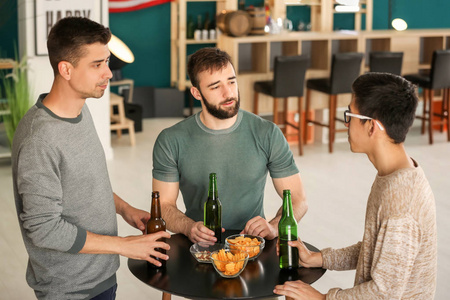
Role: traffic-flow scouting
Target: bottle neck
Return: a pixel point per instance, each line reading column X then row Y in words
column 287, row 205
column 156, row 207
column 213, row 193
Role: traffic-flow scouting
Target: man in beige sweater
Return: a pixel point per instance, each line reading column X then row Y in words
column 397, row 258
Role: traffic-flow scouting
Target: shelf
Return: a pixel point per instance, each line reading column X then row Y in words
column 424, row 66
column 7, row 63
column 196, row 42
column 361, row 11
column 302, row 3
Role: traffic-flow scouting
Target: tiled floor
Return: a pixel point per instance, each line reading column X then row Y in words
column 337, row 186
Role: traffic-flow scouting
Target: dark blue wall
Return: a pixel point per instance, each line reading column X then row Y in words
column 8, row 28
column 147, row 33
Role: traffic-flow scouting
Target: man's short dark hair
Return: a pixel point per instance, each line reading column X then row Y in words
column 68, row 37
column 388, row 98
column 208, row 58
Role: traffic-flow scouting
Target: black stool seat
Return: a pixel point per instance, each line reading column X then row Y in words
column 420, row 80
column 320, row 84
column 386, row 62
column 264, row 87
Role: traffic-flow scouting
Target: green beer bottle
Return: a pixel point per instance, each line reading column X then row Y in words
column 213, row 209
column 287, row 231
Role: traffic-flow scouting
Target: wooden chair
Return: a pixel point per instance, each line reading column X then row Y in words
column 118, row 121
column 345, row 68
column 288, row 81
column 438, row 78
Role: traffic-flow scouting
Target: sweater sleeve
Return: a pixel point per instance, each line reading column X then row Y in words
column 341, row 259
column 396, row 248
column 39, row 187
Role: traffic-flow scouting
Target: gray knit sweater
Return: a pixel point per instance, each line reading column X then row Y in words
column 62, row 190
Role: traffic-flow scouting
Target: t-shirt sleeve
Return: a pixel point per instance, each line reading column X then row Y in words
column 165, row 166
column 39, row 186
column 397, row 246
column 281, row 160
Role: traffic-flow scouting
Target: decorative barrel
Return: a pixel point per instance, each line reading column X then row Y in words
column 234, row 23
column 258, row 15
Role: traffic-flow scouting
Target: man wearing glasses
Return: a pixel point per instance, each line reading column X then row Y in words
column 397, row 258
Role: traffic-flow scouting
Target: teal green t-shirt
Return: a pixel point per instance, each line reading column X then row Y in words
column 241, row 156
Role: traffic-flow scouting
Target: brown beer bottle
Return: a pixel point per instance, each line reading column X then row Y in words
column 155, row 224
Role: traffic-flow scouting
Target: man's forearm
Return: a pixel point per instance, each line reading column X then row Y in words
column 120, row 204
column 298, row 197
column 299, row 207
column 274, row 222
column 101, row 244
column 176, row 221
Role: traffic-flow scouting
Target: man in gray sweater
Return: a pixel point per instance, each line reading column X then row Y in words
column 65, row 203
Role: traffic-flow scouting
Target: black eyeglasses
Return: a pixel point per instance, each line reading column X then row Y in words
column 348, row 116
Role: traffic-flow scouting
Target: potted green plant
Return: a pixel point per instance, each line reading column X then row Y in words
column 18, row 97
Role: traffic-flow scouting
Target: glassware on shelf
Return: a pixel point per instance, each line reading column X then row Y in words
column 190, row 28
column 287, row 25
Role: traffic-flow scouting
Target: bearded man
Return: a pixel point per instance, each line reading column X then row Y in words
column 240, row 147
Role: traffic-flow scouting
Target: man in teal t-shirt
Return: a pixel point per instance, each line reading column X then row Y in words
column 240, row 147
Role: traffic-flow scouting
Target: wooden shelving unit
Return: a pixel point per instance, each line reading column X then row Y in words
column 179, row 42
column 322, row 12
column 253, row 55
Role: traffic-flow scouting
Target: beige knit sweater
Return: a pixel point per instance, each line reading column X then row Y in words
column 397, row 258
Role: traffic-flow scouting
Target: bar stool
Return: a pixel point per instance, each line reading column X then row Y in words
column 119, row 121
column 386, row 62
column 288, row 81
column 345, row 68
column 438, row 78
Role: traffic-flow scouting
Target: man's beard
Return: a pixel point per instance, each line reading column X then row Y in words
column 219, row 112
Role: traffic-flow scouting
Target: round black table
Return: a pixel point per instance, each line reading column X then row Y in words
column 184, row 276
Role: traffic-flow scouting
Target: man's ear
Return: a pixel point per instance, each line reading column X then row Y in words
column 196, row 93
column 371, row 127
column 65, row 69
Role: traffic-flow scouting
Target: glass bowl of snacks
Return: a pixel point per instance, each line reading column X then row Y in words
column 251, row 244
column 202, row 251
column 229, row 263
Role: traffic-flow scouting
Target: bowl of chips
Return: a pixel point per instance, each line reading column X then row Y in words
column 202, row 251
column 229, row 263
column 251, row 244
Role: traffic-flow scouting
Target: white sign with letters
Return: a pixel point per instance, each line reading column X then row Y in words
column 48, row 12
